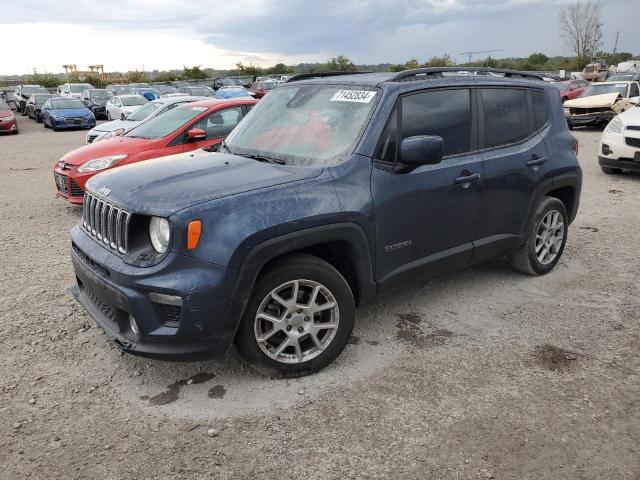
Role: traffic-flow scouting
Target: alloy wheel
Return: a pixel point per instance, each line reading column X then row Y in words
column 549, row 237
column 296, row 321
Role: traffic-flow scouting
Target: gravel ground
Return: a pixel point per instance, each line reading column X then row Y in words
column 483, row 374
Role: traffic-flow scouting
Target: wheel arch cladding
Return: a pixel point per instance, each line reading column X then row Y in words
column 567, row 195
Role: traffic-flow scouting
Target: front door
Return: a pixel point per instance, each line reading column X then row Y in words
column 217, row 126
column 428, row 224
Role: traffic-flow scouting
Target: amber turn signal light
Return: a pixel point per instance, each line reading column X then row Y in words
column 193, row 234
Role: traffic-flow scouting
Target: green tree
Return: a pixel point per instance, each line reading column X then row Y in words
column 279, row 69
column 443, row 61
column 248, row 70
column 193, row 73
column 95, row 81
column 167, row 77
column 46, row 80
column 136, row 76
column 538, row 59
column 341, row 64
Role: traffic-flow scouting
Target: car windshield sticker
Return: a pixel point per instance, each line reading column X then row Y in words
column 358, row 96
column 199, row 109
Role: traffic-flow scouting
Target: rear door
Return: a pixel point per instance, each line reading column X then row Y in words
column 512, row 124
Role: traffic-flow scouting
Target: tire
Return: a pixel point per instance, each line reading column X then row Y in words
column 564, row 99
column 108, row 115
column 122, row 117
column 44, row 123
column 38, row 118
column 610, row 171
column 311, row 273
column 526, row 258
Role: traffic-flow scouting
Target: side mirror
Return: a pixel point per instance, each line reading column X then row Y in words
column 196, row 134
column 421, row 150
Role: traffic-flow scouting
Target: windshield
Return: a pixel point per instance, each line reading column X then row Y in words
column 164, row 89
column 589, row 68
column 305, row 125
column 40, row 99
column 202, row 91
column 621, row 77
column 60, row 103
column 31, row 90
column 134, row 100
column 143, row 112
column 232, row 92
column 602, row 88
column 3, row 106
column 269, row 85
column 163, row 125
column 120, row 89
column 100, row 94
column 79, row 88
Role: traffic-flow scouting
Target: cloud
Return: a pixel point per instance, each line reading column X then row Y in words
column 268, row 31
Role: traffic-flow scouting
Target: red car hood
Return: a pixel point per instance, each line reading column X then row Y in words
column 5, row 113
column 104, row 148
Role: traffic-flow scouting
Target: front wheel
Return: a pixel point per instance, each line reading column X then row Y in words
column 109, row 116
column 546, row 236
column 299, row 318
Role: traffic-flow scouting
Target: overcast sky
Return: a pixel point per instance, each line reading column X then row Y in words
column 166, row 34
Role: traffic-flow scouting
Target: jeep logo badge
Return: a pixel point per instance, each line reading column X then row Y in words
column 105, row 191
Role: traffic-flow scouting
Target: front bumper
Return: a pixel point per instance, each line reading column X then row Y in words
column 590, row 119
column 99, row 110
column 620, row 150
column 11, row 126
column 67, row 186
column 112, row 291
column 68, row 123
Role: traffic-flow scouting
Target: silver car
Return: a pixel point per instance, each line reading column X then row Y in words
column 143, row 113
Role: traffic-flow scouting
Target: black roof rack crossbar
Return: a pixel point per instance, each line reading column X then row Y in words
column 304, row 76
column 435, row 71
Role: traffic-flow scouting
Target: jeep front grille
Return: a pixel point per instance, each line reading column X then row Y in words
column 106, row 222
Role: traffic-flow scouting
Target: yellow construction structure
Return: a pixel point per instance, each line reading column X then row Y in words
column 95, row 71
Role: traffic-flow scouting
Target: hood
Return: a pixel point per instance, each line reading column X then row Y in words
column 595, row 101
column 116, row 124
column 70, row 112
column 166, row 185
column 111, row 146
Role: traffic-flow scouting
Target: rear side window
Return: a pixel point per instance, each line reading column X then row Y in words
column 634, row 90
column 540, row 111
column 445, row 113
column 506, row 116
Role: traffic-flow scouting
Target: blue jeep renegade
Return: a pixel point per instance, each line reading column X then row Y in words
column 334, row 189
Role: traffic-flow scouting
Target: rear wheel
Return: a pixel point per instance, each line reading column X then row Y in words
column 298, row 319
column 610, row 171
column 545, row 239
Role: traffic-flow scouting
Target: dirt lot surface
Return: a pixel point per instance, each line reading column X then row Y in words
column 483, row 374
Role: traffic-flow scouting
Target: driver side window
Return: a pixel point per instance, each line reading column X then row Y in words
column 219, row 124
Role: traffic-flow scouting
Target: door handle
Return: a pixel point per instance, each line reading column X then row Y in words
column 474, row 177
column 535, row 161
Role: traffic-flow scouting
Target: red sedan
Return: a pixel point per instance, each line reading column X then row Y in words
column 7, row 118
column 570, row 89
column 187, row 127
column 261, row 88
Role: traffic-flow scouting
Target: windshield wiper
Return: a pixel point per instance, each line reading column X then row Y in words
column 261, row 158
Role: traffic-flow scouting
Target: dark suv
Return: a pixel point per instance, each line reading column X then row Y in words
column 333, row 189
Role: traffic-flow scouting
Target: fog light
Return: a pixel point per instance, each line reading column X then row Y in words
column 134, row 325
column 606, row 150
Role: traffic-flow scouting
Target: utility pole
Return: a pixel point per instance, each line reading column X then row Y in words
column 615, row 47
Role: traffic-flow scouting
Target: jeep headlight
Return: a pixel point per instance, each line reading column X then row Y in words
column 159, row 234
column 615, row 126
column 100, row 163
column 567, row 111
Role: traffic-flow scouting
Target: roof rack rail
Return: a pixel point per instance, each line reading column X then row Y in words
column 439, row 71
column 304, row 76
